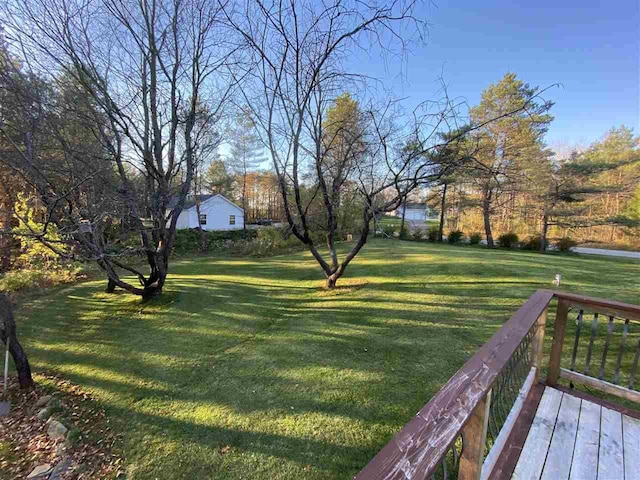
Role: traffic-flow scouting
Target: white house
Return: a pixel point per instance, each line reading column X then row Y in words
column 217, row 212
column 415, row 211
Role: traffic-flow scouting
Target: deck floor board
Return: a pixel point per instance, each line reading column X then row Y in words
column 574, row 439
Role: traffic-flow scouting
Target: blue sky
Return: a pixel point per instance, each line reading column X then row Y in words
column 591, row 48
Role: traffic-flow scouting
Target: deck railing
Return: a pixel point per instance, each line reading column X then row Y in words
column 599, row 347
column 462, row 431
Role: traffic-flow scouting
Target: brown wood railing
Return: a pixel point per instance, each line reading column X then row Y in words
column 462, row 430
column 602, row 340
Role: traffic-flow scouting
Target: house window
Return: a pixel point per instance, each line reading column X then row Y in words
column 203, row 219
column 232, row 219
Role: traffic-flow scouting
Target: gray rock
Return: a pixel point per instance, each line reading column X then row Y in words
column 60, row 450
column 44, row 414
column 41, row 471
column 56, row 430
column 42, row 401
column 60, row 469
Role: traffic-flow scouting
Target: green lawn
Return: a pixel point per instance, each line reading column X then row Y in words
column 246, row 368
column 390, row 221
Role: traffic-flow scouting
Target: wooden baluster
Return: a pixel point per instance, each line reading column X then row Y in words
column 537, row 343
column 474, row 439
column 632, row 377
column 594, row 330
column 606, row 347
column 455, row 456
column 625, row 332
column 575, row 343
column 553, row 372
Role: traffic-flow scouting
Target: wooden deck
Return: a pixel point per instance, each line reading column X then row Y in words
column 573, row 438
column 497, row 419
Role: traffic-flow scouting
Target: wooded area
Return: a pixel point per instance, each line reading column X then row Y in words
column 113, row 114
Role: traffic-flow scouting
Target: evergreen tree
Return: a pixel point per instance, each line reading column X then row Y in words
column 508, row 146
column 246, row 153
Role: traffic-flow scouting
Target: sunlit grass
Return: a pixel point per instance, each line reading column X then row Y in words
column 249, row 369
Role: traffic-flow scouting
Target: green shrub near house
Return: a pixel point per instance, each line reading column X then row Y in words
column 475, row 238
column 455, row 236
column 565, row 244
column 533, row 243
column 508, row 240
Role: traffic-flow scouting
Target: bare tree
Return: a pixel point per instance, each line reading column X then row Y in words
column 9, row 337
column 293, row 69
column 294, row 54
column 206, row 140
column 147, row 67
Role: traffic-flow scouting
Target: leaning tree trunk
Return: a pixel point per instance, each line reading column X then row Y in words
column 8, row 333
column 443, row 202
column 486, row 213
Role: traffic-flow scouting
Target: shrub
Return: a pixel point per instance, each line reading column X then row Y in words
column 267, row 242
column 532, row 243
column 565, row 244
column 389, row 230
column 404, row 233
column 432, row 234
column 188, row 240
column 475, row 238
column 416, row 236
column 27, row 278
column 508, row 240
column 455, row 236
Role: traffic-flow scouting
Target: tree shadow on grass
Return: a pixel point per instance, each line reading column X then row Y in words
column 250, row 355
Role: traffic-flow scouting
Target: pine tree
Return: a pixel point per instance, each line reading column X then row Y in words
column 246, row 153
column 508, row 146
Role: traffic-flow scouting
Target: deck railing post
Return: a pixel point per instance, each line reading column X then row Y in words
column 553, row 372
column 537, row 343
column 474, row 439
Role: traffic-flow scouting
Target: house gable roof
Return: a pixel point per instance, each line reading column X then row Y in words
column 191, row 201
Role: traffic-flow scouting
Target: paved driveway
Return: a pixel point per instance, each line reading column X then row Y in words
column 603, row 251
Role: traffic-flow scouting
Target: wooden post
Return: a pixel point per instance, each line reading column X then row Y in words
column 553, row 371
column 474, row 438
column 537, row 344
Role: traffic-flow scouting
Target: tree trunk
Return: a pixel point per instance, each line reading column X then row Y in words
column 5, row 251
column 404, row 212
column 244, row 202
column 203, row 240
column 543, row 236
column 442, row 212
column 8, row 333
column 331, row 281
column 153, row 285
column 111, row 286
column 486, row 213
column 5, row 235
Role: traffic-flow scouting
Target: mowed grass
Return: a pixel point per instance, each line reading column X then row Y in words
column 247, row 368
column 395, row 222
